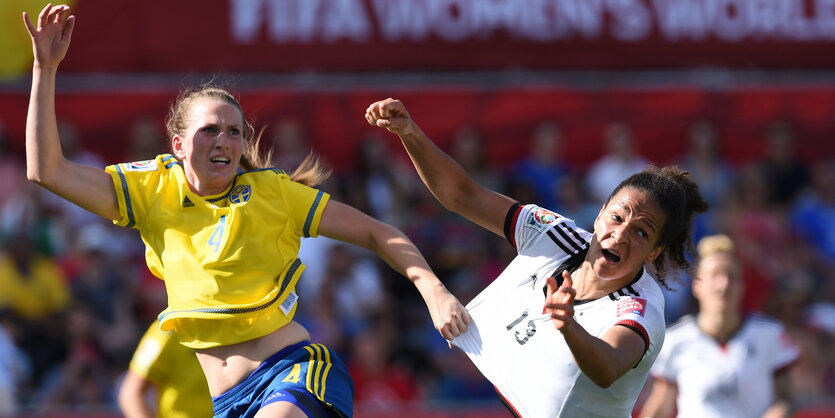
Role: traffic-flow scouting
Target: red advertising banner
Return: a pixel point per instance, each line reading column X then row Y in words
column 420, row 35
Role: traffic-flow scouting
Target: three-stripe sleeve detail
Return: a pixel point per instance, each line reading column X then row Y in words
column 577, row 242
column 568, row 240
column 557, row 241
column 170, row 161
column 574, row 232
column 616, row 295
column 620, row 292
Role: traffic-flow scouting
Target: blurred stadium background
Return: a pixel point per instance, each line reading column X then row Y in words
column 531, row 96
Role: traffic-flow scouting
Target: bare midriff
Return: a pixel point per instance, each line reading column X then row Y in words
column 228, row 365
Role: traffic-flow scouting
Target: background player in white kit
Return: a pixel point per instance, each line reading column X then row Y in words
column 573, row 324
column 719, row 363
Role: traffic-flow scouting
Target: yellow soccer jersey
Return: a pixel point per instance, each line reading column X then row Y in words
column 181, row 387
column 233, row 256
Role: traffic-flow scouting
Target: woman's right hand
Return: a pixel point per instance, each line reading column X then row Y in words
column 51, row 38
column 559, row 302
column 390, row 114
column 449, row 316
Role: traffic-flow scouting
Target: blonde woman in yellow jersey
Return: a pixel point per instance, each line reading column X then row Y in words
column 224, row 236
column 164, row 367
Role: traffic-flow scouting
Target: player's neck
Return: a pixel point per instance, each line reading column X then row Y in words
column 721, row 325
column 589, row 286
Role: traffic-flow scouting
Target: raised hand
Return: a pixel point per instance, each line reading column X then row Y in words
column 390, row 114
column 559, row 303
column 51, row 38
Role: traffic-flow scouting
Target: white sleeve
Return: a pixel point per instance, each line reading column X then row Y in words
column 645, row 316
column 783, row 351
column 535, row 231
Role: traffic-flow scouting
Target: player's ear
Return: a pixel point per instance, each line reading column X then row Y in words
column 654, row 254
column 599, row 214
column 177, row 146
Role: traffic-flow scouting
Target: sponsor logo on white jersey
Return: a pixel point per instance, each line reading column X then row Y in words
column 635, row 306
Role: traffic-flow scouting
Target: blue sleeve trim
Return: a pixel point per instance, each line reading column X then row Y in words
column 309, row 220
column 128, row 207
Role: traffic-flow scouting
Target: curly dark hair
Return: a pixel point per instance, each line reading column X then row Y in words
column 679, row 198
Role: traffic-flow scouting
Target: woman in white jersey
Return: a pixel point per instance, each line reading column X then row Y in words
column 572, row 325
column 223, row 232
column 719, row 362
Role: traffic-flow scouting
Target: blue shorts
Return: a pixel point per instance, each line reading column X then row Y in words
column 311, row 376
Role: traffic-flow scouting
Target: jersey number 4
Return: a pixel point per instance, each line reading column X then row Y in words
column 217, row 236
column 522, row 336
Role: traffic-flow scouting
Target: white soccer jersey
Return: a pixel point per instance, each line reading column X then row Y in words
column 730, row 380
column 517, row 347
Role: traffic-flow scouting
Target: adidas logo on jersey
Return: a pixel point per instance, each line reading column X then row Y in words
column 187, row 203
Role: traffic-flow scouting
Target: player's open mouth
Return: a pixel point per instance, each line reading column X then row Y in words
column 610, row 256
column 220, row 160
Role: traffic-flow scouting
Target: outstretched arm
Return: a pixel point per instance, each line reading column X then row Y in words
column 782, row 406
column 450, row 184
column 661, row 401
column 88, row 187
column 342, row 222
column 604, row 359
column 132, row 394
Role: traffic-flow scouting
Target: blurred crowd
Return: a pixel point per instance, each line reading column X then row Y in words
column 75, row 295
